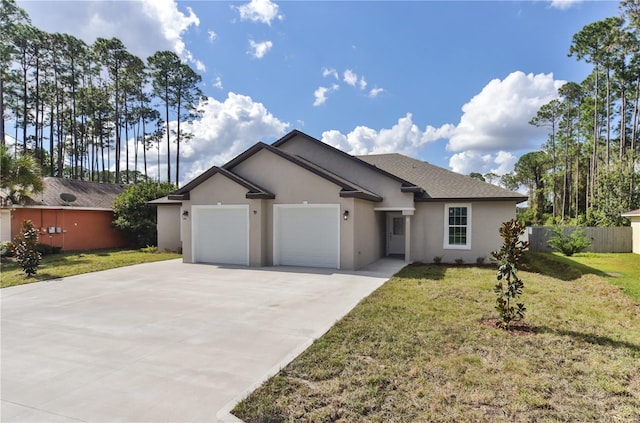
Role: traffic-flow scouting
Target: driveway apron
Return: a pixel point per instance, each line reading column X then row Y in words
column 163, row 341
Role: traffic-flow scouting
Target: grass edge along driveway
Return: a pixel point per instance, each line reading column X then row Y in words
column 56, row 266
column 423, row 348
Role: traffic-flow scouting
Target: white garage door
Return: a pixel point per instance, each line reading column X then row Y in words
column 306, row 235
column 220, row 234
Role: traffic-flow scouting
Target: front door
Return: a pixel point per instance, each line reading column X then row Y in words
column 395, row 233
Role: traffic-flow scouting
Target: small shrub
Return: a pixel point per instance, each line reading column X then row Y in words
column 437, row 259
column 25, row 250
column 509, row 286
column 46, row 249
column 570, row 244
column 459, row 261
column 151, row 249
column 480, row 261
column 6, row 249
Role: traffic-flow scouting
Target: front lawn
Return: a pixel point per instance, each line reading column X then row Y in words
column 423, row 348
column 621, row 269
column 68, row 264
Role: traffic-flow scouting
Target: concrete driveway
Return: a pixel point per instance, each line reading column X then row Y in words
column 163, row 341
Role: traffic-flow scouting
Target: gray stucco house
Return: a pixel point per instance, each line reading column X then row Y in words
column 301, row 202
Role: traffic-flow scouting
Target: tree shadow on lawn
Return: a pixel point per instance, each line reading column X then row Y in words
column 556, row 266
column 590, row 338
column 423, row 271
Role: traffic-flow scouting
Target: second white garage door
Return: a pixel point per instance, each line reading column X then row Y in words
column 306, row 235
column 221, row 234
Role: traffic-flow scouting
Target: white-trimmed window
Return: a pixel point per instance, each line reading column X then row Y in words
column 457, row 226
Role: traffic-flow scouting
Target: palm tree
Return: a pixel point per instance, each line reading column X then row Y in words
column 20, row 177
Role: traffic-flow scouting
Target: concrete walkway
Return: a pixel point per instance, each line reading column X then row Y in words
column 163, row 341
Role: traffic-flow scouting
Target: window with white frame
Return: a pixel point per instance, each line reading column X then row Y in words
column 457, row 226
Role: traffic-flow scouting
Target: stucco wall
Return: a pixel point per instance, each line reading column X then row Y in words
column 169, row 227
column 290, row 183
column 369, row 235
column 293, row 185
column 635, row 228
column 427, row 227
column 5, row 225
column 80, row 229
column 220, row 189
column 363, row 175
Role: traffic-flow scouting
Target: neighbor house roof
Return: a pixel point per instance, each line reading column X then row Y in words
column 80, row 194
column 438, row 183
column 631, row 213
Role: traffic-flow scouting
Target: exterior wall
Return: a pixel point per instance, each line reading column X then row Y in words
column 79, row 229
column 369, row 234
column 5, row 225
column 168, row 231
column 635, row 227
column 294, row 185
column 220, row 189
column 275, row 174
column 427, row 231
column 364, row 176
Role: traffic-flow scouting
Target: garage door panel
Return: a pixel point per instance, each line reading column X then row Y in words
column 221, row 235
column 307, row 235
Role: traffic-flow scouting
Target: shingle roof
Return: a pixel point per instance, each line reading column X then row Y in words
column 631, row 213
column 87, row 194
column 438, row 183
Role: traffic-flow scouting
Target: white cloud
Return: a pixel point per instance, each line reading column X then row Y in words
column 320, row 94
column 374, row 92
column 218, row 83
column 362, row 83
column 404, row 137
column 212, row 36
column 498, row 117
column 264, row 11
column 350, row 77
column 226, row 129
column 564, row 4
column 330, row 72
column 143, row 26
column 474, row 161
column 259, row 50
column 173, row 24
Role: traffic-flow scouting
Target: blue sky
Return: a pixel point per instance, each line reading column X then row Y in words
column 449, row 82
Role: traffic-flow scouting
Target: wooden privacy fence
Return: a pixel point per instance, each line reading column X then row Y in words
column 603, row 239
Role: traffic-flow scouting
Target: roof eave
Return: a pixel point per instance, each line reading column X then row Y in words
column 361, row 195
column 179, row 197
column 260, row 196
column 469, row 199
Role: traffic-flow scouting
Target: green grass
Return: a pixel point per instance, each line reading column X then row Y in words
column 68, row 264
column 423, row 347
column 621, row 269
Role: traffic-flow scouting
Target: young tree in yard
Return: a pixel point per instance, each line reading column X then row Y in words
column 134, row 216
column 509, row 286
column 24, row 248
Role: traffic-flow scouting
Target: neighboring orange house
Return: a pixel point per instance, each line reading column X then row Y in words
column 70, row 214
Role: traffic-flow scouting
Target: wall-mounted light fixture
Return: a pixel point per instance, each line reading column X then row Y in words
column 185, row 214
column 345, row 215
